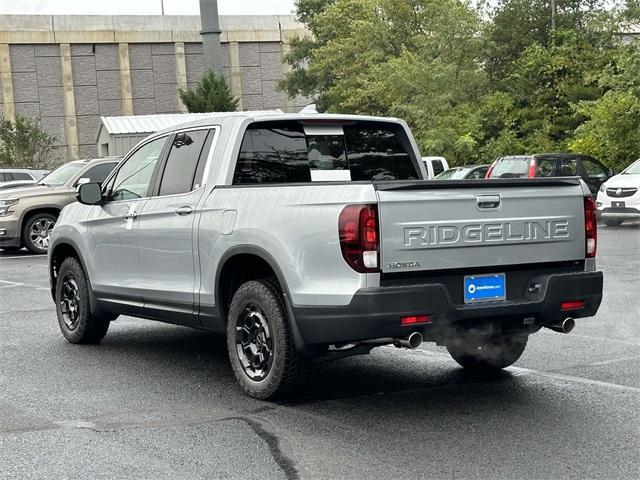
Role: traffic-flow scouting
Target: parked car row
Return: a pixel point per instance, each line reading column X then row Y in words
column 28, row 214
column 618, row 197
column 19, row 177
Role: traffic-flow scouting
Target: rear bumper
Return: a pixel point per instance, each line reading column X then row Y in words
column 376, row 312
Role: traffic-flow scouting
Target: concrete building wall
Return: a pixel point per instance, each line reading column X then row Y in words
column 67, row 71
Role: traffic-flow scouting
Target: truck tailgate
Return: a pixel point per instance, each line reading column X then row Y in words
column 436, row 225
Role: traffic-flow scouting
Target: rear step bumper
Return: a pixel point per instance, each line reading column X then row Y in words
column 376, row 312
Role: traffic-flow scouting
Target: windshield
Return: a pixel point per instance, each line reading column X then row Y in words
column 453, row 174
column 634, row 169
column 62, row 174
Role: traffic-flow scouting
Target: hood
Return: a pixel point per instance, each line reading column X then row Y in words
column 623, row 181
column 32, row 191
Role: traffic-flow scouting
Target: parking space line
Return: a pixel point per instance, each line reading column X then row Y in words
column 603, row 339
column 519, row 371
column 570, row 378
column 8, row 284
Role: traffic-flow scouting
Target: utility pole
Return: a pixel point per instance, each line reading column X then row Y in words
column 553, row 15
column 211, row 35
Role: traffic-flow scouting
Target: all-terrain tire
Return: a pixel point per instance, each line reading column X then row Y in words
column 263, row 300
column 487, row 353
column 76, row 322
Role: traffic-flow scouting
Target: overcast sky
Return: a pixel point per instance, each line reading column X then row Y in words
column 140, row 7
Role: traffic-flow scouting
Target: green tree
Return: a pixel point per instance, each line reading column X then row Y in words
column 23, row 143
column 212, row 94
column 415, row 59
column 518, row 24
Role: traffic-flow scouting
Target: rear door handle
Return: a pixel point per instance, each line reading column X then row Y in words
column 184, row 210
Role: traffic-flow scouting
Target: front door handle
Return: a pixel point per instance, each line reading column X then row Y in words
column 184, row 210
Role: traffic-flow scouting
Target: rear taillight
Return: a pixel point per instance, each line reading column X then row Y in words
column 532, row 168
column 590, row 227
column 359, row 237
column 490, row 171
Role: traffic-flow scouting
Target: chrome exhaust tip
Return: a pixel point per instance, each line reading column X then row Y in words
column 411, row 341
column 566, row 326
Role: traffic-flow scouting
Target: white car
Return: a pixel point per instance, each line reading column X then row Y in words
column 619, row 197
column 435, row 166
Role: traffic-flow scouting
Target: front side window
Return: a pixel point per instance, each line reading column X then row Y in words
column 182, row 162
column 593, row 169
column 133, row 179
column 438, row 167
column 99, row 173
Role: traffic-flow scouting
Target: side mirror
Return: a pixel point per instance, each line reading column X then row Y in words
column 90, row 194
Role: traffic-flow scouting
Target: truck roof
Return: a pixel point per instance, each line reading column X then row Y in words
column 241, row 117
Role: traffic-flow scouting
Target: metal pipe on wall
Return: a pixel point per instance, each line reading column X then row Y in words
column 211, row 35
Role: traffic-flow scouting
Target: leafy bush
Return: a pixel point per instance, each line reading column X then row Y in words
column 23, row 143
column 212, row 94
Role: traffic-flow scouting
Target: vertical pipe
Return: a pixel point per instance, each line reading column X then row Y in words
column 553, row 15
column 211, row 35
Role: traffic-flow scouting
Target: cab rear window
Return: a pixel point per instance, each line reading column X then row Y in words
column 290, row 152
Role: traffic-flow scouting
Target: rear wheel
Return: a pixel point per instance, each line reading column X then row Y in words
column 37, row 232
column 260, row 344
column 75, row 319
column 610, row 222
column 486, row 353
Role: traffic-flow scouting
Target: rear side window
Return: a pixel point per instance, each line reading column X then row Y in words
column 182, row 162
column 546, row 167
column 273, row 153
column 5, row 177
column 281, row 152
column 511, row 167
column 567, row 167
column 21, row 176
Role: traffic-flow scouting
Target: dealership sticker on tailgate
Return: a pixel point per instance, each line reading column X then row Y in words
column 485, row 288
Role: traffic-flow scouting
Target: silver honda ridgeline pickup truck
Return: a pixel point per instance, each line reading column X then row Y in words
column 306, row 236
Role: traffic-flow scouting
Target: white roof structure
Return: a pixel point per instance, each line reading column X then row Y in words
column 117, row 135
column 136, row 124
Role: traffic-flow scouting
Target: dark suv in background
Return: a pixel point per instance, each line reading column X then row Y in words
column 588, row 168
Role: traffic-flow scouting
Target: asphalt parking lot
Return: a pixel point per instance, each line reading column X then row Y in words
column 158, row 401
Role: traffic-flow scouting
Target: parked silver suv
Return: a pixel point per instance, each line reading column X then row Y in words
column 305, row 236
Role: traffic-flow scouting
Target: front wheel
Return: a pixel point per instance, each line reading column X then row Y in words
column 487, row 353
column 37, row 232
column 260, row 344
column 76, row 322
